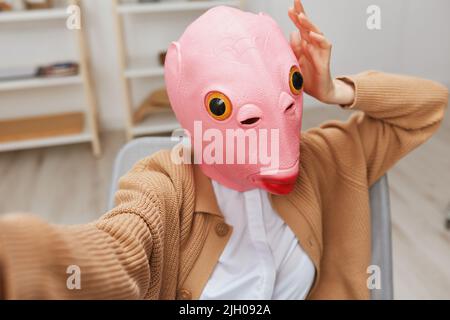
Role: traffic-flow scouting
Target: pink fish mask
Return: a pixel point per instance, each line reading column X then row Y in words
column 235, row 86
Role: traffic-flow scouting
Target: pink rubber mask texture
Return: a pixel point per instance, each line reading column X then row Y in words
column 245, row 57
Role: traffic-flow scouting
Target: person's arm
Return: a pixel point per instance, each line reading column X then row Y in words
column 399, row 112
column 118, row 256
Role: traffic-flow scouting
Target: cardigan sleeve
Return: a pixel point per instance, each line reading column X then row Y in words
column 117, row 257
column 398, row 114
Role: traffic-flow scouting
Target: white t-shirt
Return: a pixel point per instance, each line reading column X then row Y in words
column 263, row 258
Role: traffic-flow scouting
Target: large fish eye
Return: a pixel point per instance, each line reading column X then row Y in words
column 218, row 105
column 295, row 80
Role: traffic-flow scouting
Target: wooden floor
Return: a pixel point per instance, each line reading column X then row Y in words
column 67, row 185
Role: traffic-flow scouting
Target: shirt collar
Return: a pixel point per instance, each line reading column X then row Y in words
column 205, row 198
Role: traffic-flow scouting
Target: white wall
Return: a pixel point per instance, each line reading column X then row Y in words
column 414, row 39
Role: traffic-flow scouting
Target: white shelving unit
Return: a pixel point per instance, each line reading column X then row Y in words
column 84, row 79
column 135, row 69
column 33, row 15
column 139, row 68
column 39, row 83
column 156, row 123
column 82, row 137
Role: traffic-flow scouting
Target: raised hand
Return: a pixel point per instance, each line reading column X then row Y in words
column 313, row 51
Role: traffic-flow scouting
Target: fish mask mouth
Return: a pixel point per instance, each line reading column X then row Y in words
column 281, row 182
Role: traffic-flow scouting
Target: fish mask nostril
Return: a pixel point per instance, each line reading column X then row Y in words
column 290, row 107
column 250, row 120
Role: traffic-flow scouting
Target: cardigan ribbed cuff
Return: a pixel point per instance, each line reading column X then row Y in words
column 363, row 89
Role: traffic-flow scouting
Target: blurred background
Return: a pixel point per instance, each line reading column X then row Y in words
column 78, row 79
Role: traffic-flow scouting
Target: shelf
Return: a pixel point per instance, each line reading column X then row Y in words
column 39, row 82
column 82, row 137
column 173, row 6
column 159, row 122
column 142, row 67
column 143, row 72
column 33, row 15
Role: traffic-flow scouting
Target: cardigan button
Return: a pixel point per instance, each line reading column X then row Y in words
column 311, row 241
column 184, row 294
column 222, row 229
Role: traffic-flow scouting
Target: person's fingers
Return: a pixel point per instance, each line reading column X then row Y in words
column 303, row 62
column 306, row 23
column 294, row 17
column 295, row 38
column 304, row 35
column 296, row 44
column 314, row 56
column 319, row 39
column 298, row 6
column 305, row 51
